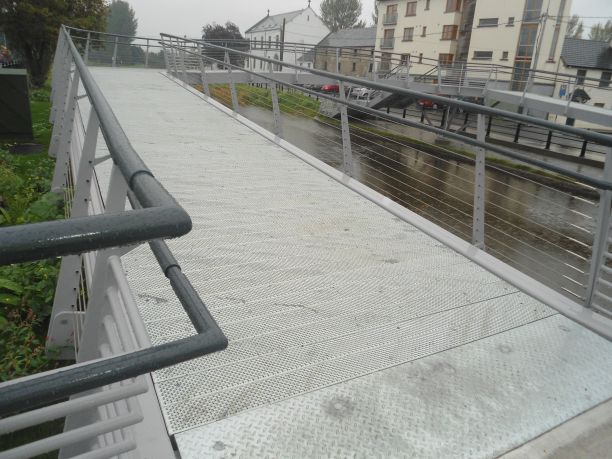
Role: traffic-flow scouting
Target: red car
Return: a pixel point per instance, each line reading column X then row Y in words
column 330, row 88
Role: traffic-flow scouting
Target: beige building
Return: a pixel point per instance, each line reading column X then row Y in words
column 350, row 50
column 472, row 31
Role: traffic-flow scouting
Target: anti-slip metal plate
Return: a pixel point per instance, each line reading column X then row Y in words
column 319, row 290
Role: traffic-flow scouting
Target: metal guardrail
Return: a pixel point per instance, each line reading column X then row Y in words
column 177, row 50
column 112, row 397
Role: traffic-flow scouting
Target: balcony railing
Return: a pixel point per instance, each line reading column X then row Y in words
column 390, row 19
column 387, row 43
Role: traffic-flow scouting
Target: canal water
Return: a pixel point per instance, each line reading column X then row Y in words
column 540, row 230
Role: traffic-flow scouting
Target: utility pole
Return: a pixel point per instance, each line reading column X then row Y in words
column 282, row 43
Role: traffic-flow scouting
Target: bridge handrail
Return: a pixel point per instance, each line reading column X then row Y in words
column 468, row 106
column 151, row 203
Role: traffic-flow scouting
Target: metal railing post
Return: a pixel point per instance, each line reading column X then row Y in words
column 61, row 83
column 98, row 301
column 278, row 130
column 65, row 137
column 204, row 80
column 115, row 52
column 347, row 149
column 65, row 314
column 235, row 104
column 87, row 44
column 166, row 60
column 147, row 55
column 600, row 239
column 174, row 57
column 478, row 226
column 183, row 68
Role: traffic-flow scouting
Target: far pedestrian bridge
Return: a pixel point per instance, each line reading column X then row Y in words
column 290, row 306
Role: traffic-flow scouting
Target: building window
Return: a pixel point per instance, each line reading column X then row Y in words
column 277, row 41
column 527, row 39
column 427, row 5
column 325, row 65
column 339, row 66
column 354, row 66
column 453, row 6
column 270, row 41
column 580, row 75
column 488, row 22
column 261, row 43
column 404, row 59
column 408, row 34
column 449, row 32
column 424, row 32
column 411, row 8
column 483, row 55
column 420, row 58
column 445, row 58
column 355, row 52
column 533, row 10
column 510, row 22
column 605, row 79
column 504, row 56
column 391, row 16
column 599, row 104
column 388, row 39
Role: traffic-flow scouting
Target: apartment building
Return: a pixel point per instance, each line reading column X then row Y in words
column 472, row 31
column 267, row 38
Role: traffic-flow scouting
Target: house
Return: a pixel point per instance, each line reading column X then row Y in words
column 473, row 32
column 350, row 51
column 302, row 30
column 590, row 64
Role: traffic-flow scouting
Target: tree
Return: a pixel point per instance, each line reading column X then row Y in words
column 227, row 36
column 601, row 32
column 31, row 26
column 574, row 27
column 122, row 20
column 375, row 13
column 341, row 14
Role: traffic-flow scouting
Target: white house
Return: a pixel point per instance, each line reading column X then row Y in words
column 303, row 29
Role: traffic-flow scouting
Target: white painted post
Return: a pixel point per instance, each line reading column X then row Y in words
column 64, row 315
column 478, row 226
column 65, row 137
column 61, row 83
column 347, row 150
column 204, row 80
column 86, row 58
column 147, row 55
column 278, row 129
column 600, row 240
column 115, row 52
column 235, row 103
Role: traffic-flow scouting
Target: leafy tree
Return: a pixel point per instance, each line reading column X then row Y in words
column 574, row 27
column 228, row 36
column 122, row 21
column 32, row 27
column 341, row 14
column 601, row 32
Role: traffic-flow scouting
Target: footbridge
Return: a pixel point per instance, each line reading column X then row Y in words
column 228, row 293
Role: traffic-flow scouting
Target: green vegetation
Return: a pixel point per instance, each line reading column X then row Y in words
column 26, row 290
column 291, row 102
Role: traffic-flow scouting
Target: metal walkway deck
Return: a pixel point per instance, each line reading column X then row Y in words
column 351, row 332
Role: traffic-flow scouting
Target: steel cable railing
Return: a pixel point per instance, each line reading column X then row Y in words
column 562, row 250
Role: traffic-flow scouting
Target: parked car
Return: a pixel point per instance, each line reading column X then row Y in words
column 330, row 88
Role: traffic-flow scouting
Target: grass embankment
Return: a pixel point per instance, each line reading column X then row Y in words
column 291, row 102
column 27, row 289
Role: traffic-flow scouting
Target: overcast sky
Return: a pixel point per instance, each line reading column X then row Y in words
column 186, row 17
